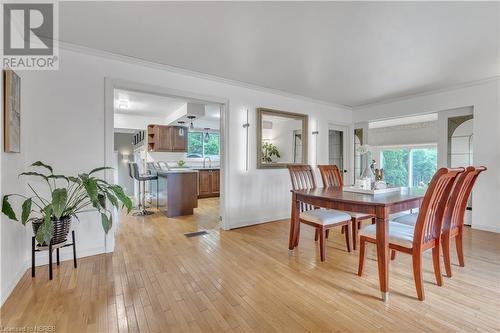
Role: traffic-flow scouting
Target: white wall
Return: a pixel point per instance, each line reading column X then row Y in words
column 63, row 118
column 484, row 98
column 411, row 134
column 15, row 243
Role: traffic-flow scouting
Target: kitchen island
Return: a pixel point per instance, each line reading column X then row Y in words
column 177, row 191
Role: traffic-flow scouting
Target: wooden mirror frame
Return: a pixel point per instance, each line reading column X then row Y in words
column 305, row 134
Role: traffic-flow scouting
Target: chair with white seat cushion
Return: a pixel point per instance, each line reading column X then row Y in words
column 408, row 219
column 331, row 177
column 399, row 234
column 453, row 220
column 321, row 219
column 425, row 235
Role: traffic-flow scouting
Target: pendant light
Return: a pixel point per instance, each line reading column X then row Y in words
column 206, row 137
column 181, row 128
column 191, row 126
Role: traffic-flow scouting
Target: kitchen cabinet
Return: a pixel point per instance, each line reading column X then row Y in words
column 163, row 138
column 208, row 183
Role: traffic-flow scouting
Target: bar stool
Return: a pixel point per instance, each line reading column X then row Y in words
column 143, row 178
column 130, row 173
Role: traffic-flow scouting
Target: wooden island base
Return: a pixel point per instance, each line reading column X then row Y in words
column 177, row 192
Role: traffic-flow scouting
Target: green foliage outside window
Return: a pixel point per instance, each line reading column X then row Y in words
column 424, row 166
column 198, row 147
column 396, row 163
column 211, row 147
column 195, row 144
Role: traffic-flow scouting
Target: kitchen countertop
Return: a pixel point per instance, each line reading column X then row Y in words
column 167, row 172
column 206, row 168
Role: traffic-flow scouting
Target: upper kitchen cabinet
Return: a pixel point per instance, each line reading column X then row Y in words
column 167, row 138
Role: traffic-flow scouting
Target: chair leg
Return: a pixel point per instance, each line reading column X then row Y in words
column 156, row 193
column 327, row 233
column 316, row 235
column 33, row 256
column 373, row 220
column 362, row 255
column 297, row 234
column 445, row 242
column 417, row 275
column 348, row 236
column 436, row 263
column 50, row 260
column 354, row 230
column 460, row 250
column 322, row 243
column 393, row 254
column 74, row 248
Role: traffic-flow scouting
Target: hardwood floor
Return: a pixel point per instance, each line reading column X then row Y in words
column 157, row 280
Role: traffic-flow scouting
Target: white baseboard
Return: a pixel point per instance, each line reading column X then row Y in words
column 485, row 227
column 250, row 222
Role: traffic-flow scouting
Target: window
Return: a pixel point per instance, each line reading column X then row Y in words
column 395, row 165
column 423, row 166
column 408, row 166
column 203, row 144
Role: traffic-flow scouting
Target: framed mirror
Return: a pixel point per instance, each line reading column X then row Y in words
column 281, row 138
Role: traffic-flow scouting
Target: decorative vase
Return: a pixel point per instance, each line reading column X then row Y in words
column 61, row 229
column 368, row 172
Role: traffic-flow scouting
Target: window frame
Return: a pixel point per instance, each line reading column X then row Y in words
column 202, row 131
column 409, row 148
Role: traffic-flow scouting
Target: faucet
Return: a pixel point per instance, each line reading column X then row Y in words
column 209, row 162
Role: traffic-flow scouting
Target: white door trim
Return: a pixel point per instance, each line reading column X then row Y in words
column 348, row 144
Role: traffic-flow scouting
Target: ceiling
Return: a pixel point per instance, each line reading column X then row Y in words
column 159, row 108
column 349, row 53
column 142, row 104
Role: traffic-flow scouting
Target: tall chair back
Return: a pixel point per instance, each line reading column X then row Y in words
column 455, row 210
column 302, row 177
column 430, row 217
column 330, row 175
column 129, row 165
column 135, row 170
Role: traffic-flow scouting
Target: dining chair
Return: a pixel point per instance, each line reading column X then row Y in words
column 425, row 235
column 453, row 218
column 331, row 177
column 453, row 222
column 322, row 220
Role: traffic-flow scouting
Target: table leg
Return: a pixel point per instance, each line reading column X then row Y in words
column 291, row 241
column 383, row 255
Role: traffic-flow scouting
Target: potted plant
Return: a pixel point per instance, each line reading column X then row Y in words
column 268, row 151
column 69, row 196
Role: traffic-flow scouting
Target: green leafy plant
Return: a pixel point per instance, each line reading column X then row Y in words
column 69, row 196
column 181, row 163
column 268, row 151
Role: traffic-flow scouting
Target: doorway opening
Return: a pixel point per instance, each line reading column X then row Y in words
column 338, row 139
column 168, row 134
column 460, row 148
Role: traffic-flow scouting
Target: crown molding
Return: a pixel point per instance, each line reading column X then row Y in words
column 187, row 72
column 428, row 92
column 178, row 70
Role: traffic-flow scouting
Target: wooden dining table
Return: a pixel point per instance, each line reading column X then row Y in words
column 379, row 205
